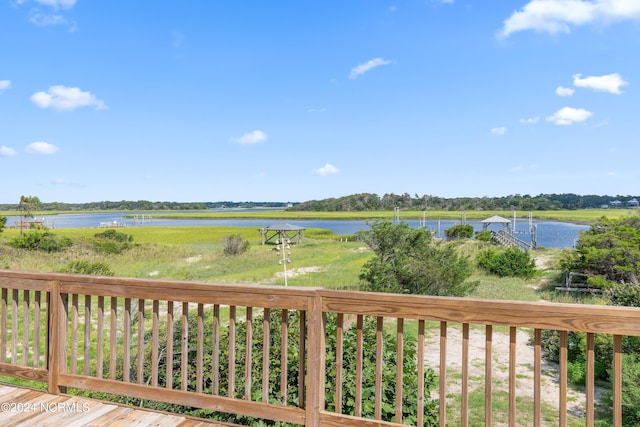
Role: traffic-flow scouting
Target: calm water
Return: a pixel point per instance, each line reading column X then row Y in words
column 550, row 234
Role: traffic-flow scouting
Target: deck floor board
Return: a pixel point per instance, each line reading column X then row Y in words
column 27, row 407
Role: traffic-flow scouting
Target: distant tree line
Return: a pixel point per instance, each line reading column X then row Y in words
column 145, row 205
column 369, row 201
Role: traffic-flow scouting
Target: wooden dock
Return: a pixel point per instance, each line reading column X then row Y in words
column 28, row 407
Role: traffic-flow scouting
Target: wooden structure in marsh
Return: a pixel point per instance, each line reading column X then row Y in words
column 282, row 231
column 506, row 236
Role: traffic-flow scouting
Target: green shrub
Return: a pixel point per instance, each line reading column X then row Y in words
column 408, row 260
column 86, row 267
column 624, row 294
column 460, row 231
column 41, row 241
column 483, row 236
column 234, row 244
column 511, row 262
column 112, row 242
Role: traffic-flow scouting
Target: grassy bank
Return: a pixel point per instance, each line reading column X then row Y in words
column 584, row 216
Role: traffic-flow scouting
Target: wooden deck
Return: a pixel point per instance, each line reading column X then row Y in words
column 28, row 407
column 217, row 347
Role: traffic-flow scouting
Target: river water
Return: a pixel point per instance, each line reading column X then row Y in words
column 549, row 234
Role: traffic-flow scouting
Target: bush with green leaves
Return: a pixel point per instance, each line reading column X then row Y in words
column 610, row 249
column 3, row 222
column 41, row 241
column 112, row 242
column 511, row 262
column 408, row 260
column 483, row 236
column 88, row 267
column 234, row 244
column 460, row 231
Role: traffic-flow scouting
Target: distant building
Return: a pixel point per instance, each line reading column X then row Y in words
column 615, row 204
column 633, row 203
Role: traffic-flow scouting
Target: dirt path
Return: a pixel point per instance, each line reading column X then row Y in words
column 500, row 366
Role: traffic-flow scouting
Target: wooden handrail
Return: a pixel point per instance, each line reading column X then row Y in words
column 131, row 313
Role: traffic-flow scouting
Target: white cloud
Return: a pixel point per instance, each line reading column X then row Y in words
column 327, row 169
column 44, row 20
column 58, row 4
column 250, row 138
column 4, row 85
column 530, row 120
column 64, row 98
column 367, row 66
column 564, row 91
column 41, row 147
column 499, row 131
column 567, row 116
column 609, row 83
column 7, row 151
column 558, row 16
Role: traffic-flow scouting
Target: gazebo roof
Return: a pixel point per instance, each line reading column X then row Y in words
column 284, row 226
column 496, row 220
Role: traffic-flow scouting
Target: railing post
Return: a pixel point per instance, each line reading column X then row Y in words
column 315, row 362
column 56, row 337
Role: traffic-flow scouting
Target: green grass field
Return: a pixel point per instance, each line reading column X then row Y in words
column 578, row 216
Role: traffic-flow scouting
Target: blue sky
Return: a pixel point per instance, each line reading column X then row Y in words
column 299, row 100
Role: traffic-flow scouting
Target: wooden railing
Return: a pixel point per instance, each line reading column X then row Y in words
column 505, row 239
column 135, row 338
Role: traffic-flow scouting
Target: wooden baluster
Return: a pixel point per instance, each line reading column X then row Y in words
column 590, row 391
column 399, row 367
column 155, row 344
column 266, row 349
column 140, row 353
column 562, row 412
column 36, row 328
column 26, row 302
column 617, row 381
column 113, row 333
column 126, row 350
column 3, row 333
column 443, row 375
column 302, row 358
column 232, row 352
column 284, row 355
column 87, row 335
column 248, row 346
column 169, row 364
column 488, row 375
column 100, row 338
column 359, row 364
column 14, row 327
column 74, row 334
column 537, row 377
column 184, row 359
column 379, row 356
column 199, row 348
column 215, row 356
column 421, row 379
column 465, row 376
column 512, row 376
column 339, row 360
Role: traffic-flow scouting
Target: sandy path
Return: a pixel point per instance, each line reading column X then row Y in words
column 500, row 366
